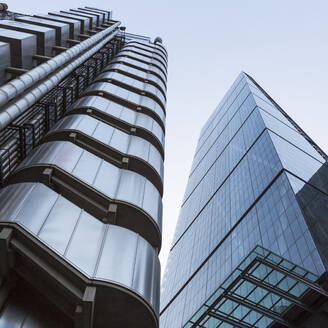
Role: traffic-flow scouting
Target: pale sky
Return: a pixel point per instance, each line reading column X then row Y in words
column 281, row 43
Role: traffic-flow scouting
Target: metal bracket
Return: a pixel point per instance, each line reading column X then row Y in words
column 73, row 42
column 16, row 70
column 6, row 254
column 84, row 36
column 72, row 136
column 112, row 211
column 47, row 173
column 84, row 313
column 41, row 59
column 125, row 162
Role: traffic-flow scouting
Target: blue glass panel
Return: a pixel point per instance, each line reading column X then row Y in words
column 301, row 164
column 290, row 135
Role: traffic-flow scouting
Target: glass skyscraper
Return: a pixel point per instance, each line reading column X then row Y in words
column 250, row 246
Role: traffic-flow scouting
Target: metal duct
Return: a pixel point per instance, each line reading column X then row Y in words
column 19, row 85
column 71, row 59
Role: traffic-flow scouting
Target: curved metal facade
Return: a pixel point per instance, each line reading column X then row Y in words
column 83, row 210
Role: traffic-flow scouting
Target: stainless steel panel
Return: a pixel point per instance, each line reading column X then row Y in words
column 148, row 123
column 97, row 18
column 45, row 37
column 113, row 182
column 5, row 62
column 152, row 47
column 61, row 29
column 91, row 19
column 141, row 86
column 87, row 167
column 74, row 25
column 22, row 47
column 146, row 53
column 81, row 123
column 147, row 268
column 101, row 252
column 85, row 244
column 138, row 73
column 10, row 209
column 57, row 229
column 36, row 208
column 103, row 17
column 132, row 187
column 144, row 150
column 120, row 140
column 85, row 21
column 138, row 64
column 128, row 96
column 158, row 46
column 110, row 263
column 107, row 12
column 104, row 133
column 107, row 179
column 151, row 203
column 122, row 113
column 147, row 60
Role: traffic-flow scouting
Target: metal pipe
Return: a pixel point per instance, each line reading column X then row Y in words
column 37, row 90
column 17, row 86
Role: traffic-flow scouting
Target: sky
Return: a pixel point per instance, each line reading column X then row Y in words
column 281, row 43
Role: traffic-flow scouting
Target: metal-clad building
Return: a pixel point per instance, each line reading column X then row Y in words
column 82, row 130
column 250, row 246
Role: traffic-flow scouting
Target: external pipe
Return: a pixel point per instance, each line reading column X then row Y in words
column 17, row 86
column 14, row 109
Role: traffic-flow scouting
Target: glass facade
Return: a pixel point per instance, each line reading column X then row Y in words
column 257, row 180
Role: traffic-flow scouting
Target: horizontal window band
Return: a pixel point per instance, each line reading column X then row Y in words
column 147, row 50
column 97, row 204
column 132, row 89
column 148, row 79
column 119, row 124
column 149, row 70
column 128, row 104
column 109, row 154
column 159, row 47
column 138, row 52
column 121, row 54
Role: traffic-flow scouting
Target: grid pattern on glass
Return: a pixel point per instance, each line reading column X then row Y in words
column 257, row 293
column 237, row 197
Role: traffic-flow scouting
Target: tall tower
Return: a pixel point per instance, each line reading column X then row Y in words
column 82, row 125
column 250, row 246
